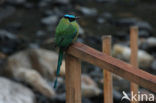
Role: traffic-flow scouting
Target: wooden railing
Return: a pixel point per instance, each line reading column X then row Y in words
column 79, row 52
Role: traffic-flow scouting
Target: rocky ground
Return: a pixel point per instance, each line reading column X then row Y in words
column 28, row 58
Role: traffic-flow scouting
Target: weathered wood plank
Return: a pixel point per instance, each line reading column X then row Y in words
column 73, row 79
column 134, row 55
column 111, row 64
column 106, row 46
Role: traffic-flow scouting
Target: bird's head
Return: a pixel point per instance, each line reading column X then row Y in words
column 71, row 18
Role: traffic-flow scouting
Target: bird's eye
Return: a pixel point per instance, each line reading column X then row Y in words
column 71, row 19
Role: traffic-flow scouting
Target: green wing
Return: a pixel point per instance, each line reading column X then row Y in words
column 65, row 34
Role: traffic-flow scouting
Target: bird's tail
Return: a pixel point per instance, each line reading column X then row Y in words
column 58, row 65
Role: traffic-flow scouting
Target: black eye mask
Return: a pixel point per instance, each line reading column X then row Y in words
column 71, row 19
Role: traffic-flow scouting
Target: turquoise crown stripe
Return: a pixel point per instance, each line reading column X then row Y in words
column 70, row 16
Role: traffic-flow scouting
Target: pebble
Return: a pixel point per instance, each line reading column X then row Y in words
column 143, row 25
column 8, row 42
column 154, row 65
column 6, row 12
column 88, row 11
column 123, row 52
column 12, row 92
column 144, row 33
column 126, row 22
column 16, row 2
column 101, row 20
column 50, row 20
column 62, row 2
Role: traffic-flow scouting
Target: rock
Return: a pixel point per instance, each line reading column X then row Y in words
column 50, row 20
column 117, row 95
column 60, row 98
column 151, row 41
column 144, row 59
column 11, row 92
column 55, row 11
column 126, row 22
column 85, row 100
column 62, row 2
column 29, row 5
column 88, row 11
column 144, row 33
column 15, row 26
column 33, row 45
column 106, row 1
column 144, row 25
column 2, row 56
column 40, row 33
column 154, row 65
column 101, row 20
column 41, row 62
column 6, row 12
column 5, row 34
column 106, row 15
column 1, row 2
column 117, row 81
column 148, row 44
column 16, row 2
column 34, row 79
column 8, row 42
column 89, row 87
column 43, row 3
column 81, row 30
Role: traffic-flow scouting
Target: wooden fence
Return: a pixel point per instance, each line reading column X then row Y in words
column 79, row 52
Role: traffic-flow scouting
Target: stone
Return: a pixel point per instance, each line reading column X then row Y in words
column 5, row 34
column 151, row 41
column 88, row 11
column 143, row 25
column 34, row 79
column 50, row 20
column 106, row 15
column 144, row 33
column 81, row 30
column 2, row 55
column 122, row 52
column 62, row 2
column 101, row 20
column 16, row 2
column 12, row 92
column 154, row 65
column 106, row 1
column 14, row 26
column 6, row 12
column 126, row 22
column 41, row 62
column 89, row 87
column 40, row 33
column 9, row 42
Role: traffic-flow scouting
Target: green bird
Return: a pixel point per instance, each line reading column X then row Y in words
column 66, row 33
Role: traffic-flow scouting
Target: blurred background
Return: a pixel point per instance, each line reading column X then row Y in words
column 28, row 57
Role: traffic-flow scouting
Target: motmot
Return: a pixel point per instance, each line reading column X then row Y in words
column 66, row 33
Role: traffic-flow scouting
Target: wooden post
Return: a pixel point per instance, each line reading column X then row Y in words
column 73, row 79
column 134, row 55
column 106, row 46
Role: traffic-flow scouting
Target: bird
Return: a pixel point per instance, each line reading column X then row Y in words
column 66, row 33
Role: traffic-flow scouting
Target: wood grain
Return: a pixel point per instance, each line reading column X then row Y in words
column 106, row 46
column 111, row 64
column 73, row 79
column 134, row 55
